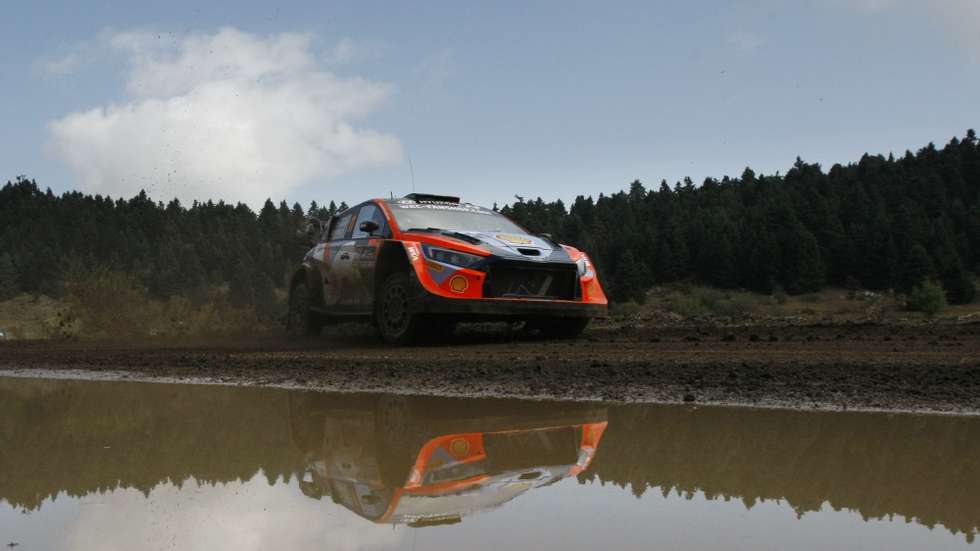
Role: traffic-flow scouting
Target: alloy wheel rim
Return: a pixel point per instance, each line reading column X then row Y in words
column 396, row 309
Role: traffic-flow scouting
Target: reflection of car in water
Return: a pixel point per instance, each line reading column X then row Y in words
column 425, row 461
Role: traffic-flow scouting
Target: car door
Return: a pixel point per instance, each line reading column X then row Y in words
column 336, row 262
column 365, row 255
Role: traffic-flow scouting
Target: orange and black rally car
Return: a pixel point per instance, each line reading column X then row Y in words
column 417, row 265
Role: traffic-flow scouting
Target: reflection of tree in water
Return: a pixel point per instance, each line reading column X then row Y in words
column 925, row 468
column 53, row 437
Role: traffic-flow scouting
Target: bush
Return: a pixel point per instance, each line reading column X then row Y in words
column 927, row 297
column 626, row 309
column 687, row 306
column 708, row 297
column 780, row 295
column 960, row 288
column 702, row 301
column 105, row 303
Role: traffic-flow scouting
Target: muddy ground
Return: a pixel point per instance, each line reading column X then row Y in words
column 933, row 368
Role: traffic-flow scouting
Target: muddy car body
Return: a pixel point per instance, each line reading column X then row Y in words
column 416, row 265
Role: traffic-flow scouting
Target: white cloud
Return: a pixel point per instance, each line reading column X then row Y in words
column 349, row 51
column 244, row 516
column 228, row 115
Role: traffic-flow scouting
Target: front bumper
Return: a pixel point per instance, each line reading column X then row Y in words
column 491, row 308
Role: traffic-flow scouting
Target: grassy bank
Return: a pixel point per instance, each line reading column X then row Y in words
column 109, row 304
column 685, row 304
column 113, row 305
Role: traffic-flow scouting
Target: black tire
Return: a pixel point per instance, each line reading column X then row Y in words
column 562, row 328
column 396, row 321
column 302, row 321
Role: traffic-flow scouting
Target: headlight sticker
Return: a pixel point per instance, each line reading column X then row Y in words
column 453, row 258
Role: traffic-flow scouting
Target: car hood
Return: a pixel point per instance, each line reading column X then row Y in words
column 514, row 245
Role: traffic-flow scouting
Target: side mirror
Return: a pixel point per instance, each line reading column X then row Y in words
column 369, row 227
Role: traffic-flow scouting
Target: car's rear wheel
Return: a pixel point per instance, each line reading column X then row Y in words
column 561, row 328
column 396, row 321
column 302, row 321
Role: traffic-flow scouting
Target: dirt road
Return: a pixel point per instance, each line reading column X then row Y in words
column 925, row 368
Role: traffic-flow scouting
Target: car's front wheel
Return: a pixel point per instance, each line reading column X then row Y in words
column 396, row 321
column 302, row 321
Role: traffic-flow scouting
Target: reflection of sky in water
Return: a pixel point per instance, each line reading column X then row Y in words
column 241, row 516
column 569, row 515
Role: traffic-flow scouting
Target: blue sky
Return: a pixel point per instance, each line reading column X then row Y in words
column 323, row 100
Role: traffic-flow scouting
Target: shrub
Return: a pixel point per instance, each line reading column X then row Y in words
column 626, row 309
column 780, row 295
column 960, row 288
column 688, row 306
column 703, row 301
column 106, row 303
column 927, row 297
column 708, row 297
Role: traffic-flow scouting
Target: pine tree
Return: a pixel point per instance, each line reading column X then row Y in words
column 630, row 276
column 240, row 284
column 960, row 287
column 916, row 267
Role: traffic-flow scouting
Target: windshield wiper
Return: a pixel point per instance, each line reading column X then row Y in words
column 429, row 229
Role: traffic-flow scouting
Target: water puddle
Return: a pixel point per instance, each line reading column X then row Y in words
column 115, row 465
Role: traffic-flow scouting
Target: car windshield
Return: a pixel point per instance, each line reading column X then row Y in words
column 412, row 215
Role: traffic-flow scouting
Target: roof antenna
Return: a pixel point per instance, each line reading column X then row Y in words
column 412, row 171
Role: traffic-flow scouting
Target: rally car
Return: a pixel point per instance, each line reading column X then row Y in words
column 416, row 265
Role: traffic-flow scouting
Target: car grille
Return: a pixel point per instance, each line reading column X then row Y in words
column 520, row 280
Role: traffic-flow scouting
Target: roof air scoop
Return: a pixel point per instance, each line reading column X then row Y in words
column 428, row 197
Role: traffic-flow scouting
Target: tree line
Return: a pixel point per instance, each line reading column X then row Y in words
column 170, row 248
column 881, row 223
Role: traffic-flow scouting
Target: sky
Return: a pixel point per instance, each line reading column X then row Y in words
column 244, row 101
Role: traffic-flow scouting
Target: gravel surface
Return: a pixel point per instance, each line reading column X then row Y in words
column 928, row 368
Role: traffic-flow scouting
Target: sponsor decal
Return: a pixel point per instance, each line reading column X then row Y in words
column 513, row 239
column 459, row 284
column 444, row 206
